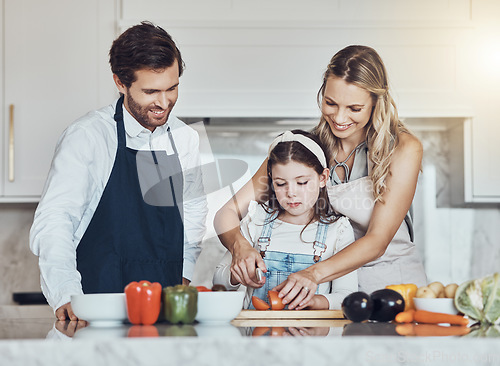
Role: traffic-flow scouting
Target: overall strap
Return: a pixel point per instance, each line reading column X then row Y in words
column 267, row 229
column 319, row 245
column 120, row 128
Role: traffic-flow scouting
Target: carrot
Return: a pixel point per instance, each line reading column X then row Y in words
column 407, row 329
column 422, row 316
column 405, row 316
column 434, row 330
column 431, row 330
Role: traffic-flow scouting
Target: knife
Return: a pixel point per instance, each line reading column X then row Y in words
column 258, row 274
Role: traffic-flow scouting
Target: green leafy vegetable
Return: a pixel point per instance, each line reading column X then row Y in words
column 480, row 299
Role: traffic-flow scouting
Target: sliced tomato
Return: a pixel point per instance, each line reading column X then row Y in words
column 277, row 331
column 275, row 301
column 202, row 289
column 260, row 331
column 259, row 304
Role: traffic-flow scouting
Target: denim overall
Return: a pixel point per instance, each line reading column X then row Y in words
column 129, row 239
column 280, row 265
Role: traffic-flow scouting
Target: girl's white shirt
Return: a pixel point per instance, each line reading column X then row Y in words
column 287, row 238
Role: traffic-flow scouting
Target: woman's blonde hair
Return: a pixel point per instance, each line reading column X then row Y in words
column 363, row 67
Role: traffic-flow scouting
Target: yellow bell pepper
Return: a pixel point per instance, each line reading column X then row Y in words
column 408, row 291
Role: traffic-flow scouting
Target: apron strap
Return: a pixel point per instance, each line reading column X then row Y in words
column 175, row 153
column 172, row 140
column 120, row 128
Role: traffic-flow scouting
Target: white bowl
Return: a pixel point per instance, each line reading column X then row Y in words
column 219, row 306
column 100, row 309
column 439, row 305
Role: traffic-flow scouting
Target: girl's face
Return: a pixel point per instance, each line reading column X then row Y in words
column 347, row 108
column 297, row 189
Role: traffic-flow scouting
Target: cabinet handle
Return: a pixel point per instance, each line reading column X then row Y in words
column 11, row 143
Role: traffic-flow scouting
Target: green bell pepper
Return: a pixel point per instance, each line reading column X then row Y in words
column 180, row 304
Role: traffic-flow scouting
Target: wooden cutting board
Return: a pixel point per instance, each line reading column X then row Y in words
column 290, row 314
column 239, row 322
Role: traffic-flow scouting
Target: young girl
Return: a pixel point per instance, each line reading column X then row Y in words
column 297, row 227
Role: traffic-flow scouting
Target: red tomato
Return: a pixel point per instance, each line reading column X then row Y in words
column 260, row 331
column 277, row 331
column 259, row 304
column 202, row 289
column 276, row 303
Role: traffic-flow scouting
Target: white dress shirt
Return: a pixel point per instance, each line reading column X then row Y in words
column 82, row 164
column 289, row 238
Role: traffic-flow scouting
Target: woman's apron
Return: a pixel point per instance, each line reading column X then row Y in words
column 128, row 239
column 400, row 262
column 280, row 265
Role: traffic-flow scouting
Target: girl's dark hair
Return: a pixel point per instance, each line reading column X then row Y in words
column 143, row 46
column 285, row 152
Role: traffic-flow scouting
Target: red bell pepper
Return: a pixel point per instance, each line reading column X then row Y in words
column 143, row 331
column 143, row 302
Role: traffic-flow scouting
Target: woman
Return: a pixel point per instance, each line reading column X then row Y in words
column 375, row 162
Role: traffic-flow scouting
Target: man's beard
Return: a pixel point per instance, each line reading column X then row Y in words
column 140, row 113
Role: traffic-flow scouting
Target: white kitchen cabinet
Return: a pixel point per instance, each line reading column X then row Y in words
column 55, row 69
column 266, row 59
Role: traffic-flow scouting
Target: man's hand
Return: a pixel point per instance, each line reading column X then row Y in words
column 185, row 281
column 69, row 328
column 245, row 260
column 65, row 312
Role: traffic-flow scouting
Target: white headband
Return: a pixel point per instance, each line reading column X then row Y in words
column 311, row 145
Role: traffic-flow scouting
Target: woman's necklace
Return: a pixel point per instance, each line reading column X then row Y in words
column 344, row 165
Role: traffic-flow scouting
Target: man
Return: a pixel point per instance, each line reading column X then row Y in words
column 124, row 197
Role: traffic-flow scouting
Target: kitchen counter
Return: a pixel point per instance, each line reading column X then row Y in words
column 43, row 340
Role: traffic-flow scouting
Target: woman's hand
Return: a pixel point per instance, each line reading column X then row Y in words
column 308, row 332
column 298, row 289
column 244, row 263
column 245, row 259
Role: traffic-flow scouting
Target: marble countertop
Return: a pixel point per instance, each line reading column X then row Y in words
column 42, row 340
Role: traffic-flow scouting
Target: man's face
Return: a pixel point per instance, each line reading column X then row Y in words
column 152, row 95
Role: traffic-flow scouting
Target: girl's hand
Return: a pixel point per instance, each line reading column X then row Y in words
column 318, row 302
column 298, row 289
column 245, row 260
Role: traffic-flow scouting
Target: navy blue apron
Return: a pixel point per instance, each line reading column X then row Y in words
column 129, row 239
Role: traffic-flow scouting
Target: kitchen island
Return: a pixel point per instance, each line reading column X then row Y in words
column 44, row 341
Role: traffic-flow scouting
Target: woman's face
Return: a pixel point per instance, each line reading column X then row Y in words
column 347, row 108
